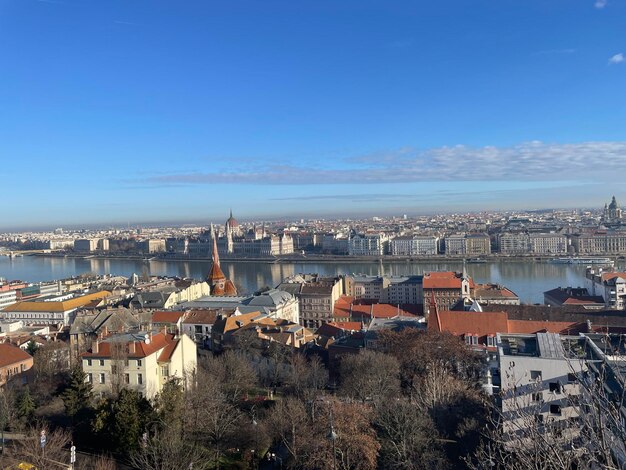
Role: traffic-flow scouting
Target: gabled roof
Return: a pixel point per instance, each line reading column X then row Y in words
column 444, row 280
column 490, row 323
column 142, row 349
column 167, row 316
column 10, row 354
column 201, row 317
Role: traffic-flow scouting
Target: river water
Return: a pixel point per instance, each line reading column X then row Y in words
column 526, row 278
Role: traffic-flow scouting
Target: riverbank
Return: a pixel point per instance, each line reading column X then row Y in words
column 310, row 258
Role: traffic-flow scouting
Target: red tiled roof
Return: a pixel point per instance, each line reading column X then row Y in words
column 157, row 342
column 166, row 354
column 490, row 323
column 609, row 276
column 342, row 310
column 443, row 280
column 527, row 326
column 10, row 354
column 479, row 323
column 167, row 316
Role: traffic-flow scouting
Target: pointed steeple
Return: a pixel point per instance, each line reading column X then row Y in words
column 464, row 276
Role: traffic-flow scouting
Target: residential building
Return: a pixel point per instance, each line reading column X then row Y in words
column 494, row 294
column 60, row 310
column 198, row 325
column 85, row 245
column 456, row 244
column 538, row 379
column 15, row 364
column 446, row 288
column 369, row 244
column 514, row 243
column 477, row 244
column 548, row 243
column 572, row 296
column 414, row 245
column 316, row 297
column 386, row 289
column 150, row 246
column 610, row 285
column 143, row 362
column 228, row 328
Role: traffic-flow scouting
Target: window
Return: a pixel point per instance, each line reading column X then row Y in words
column 126, row 362
column 89, row 378
column 535, row 375
column 101, row 362
column 491, row 341
column 102, row 378
column 126, row 378
column 555, row 410
column 539, row 418
column 140, row 379
column 89, row 362
column 138, row 362
column 165, row 370
column 555, row 387
column 537, row 397
column 571, row 378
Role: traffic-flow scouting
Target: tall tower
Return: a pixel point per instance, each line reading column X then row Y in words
column 216, row 279
column 465, row 283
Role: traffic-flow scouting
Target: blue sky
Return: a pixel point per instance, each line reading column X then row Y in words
column 147, row 110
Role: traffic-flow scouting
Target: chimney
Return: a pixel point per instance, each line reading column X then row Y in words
column 131, row 347
column 95, row 346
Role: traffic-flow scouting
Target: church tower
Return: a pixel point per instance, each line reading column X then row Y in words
column 216, row 279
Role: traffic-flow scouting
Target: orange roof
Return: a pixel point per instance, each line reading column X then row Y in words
column 215, row 273
column 527, row 326
column 167, row 352
column 56, row 306
column 609, row 276
column 490, row 323
column 342, row 310
column 167, row 317
column 10, row 354
column 443, row 280
column 479, row 323
column 157, row 342
column 229, row 288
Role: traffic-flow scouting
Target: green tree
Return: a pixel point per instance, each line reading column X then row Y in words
column 123, row 420
column 31, row 347
column 26, row 406
column 169, row 406
column 78, row 393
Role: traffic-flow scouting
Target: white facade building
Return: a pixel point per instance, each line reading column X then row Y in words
column 368, row 245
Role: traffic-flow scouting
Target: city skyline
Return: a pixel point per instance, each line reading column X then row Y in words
column 156, row 111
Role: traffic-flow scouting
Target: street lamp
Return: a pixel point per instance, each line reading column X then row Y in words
column 255, row 425
column 332, row 436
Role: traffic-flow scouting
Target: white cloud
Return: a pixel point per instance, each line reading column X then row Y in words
column 617, row 58
column 600, row 4
column 529, row 161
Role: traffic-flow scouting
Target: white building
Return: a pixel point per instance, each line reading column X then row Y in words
column 538, row 378
column 414, row 245
column 368, row 245
column 7, row 297
column 52, row 311
column 610, row 285
column 548, row 243
column 386, row 289
column 514, row 243
column 142, row 362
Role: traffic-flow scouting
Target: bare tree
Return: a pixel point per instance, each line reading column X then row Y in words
column 169, row 451
column 370, row 375
column 407, row 436
column 31, row 451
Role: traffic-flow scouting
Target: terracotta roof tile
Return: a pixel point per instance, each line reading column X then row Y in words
column 10, row 354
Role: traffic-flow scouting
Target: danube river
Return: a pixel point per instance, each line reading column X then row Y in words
column 526, row 278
